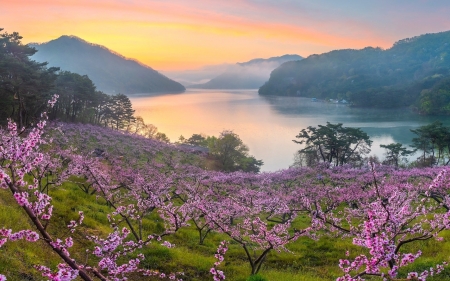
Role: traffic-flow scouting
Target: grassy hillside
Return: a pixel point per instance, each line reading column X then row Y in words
column 153, row 181
column 309, row 261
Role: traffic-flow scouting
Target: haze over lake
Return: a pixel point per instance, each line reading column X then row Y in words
column 268, row 124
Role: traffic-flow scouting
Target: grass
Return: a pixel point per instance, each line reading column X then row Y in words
column 310, row 260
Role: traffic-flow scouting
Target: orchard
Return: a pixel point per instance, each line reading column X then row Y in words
column 153, row 190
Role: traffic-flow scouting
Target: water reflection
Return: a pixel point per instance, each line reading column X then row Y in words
column 269, row 124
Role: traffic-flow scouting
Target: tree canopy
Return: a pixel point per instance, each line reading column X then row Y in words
column 395, row 152
column 436, row 100
column 26, row 86
column 24, row 83
column 373, row 77
column 334, row 144
column 434, row 142
column 227, row 152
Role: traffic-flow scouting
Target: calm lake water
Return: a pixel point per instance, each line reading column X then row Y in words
column 269, row 124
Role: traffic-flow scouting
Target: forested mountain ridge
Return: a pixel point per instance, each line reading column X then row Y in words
column 370, row 77
column 111, row 72
column 247, row 75
column 277, row 60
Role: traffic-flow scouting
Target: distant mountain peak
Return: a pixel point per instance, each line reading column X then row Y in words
column 65, row 38
column 287, row 57
column 109, row 70
column 74, row 38
column 247, row 75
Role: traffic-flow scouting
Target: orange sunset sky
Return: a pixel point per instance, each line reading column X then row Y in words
column 177, row 35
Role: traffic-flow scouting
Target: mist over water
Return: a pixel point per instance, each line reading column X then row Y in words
column 268, row 124
column 243, row 75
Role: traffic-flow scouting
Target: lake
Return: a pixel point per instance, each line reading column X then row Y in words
column 268, row 124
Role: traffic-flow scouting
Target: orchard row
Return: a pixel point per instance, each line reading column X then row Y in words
column 381, row 208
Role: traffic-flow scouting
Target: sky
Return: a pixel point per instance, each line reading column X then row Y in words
column 171, row 35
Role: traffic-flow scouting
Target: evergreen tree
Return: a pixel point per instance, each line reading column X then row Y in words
column 334, row 144
column 24, row 83
column 121, row 112
column 434, row 142
column 393, row 153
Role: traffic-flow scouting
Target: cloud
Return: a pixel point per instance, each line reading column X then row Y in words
column 187, row 34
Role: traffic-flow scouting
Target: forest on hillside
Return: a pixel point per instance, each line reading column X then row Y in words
column 413, row 72
column 26, row 86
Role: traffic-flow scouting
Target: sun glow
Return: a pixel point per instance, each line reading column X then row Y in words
column 169, row 35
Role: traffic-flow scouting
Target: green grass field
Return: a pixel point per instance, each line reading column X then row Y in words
column 308, row 260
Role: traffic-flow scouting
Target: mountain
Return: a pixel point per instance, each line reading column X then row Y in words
column 197, row 76
column 111, row 72
column 247, row 75
column 370, row 77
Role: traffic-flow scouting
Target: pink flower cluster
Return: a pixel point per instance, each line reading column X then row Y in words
column 381, row 208
column 64, row 273
column 220, row 253
column 73, row 224
column 28, row 235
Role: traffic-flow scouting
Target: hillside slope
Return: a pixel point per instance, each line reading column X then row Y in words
column 247, row 75
column 368, row 77
column 112, row 73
